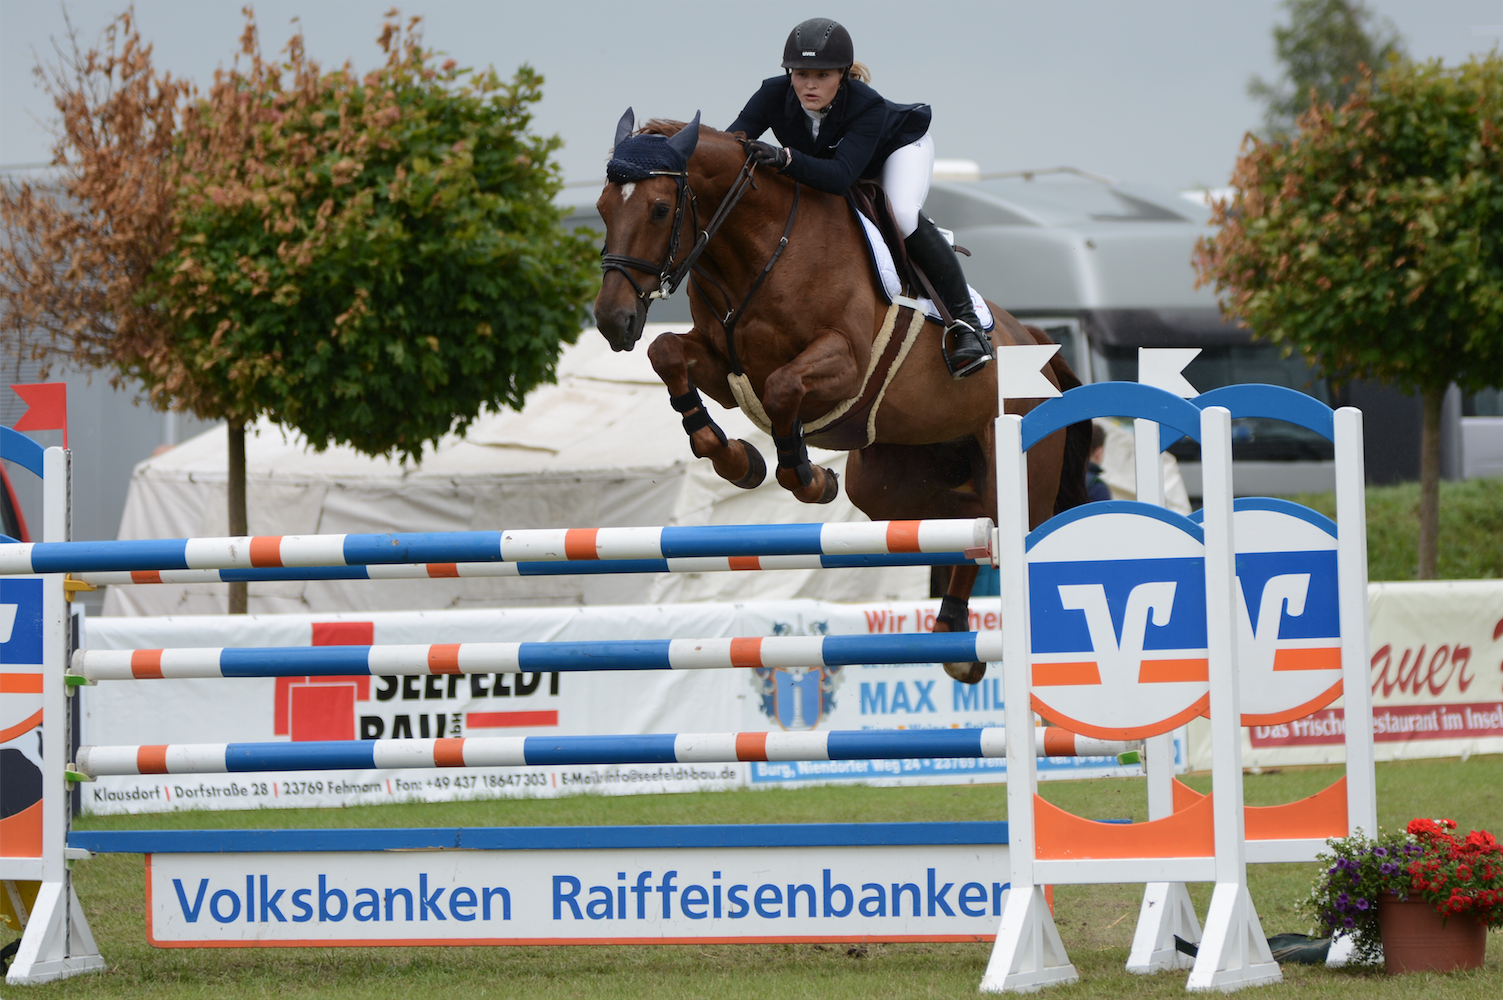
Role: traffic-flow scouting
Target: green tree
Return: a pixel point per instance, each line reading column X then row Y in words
column 1323, row 49
column 1372, row 242
column 369, row 259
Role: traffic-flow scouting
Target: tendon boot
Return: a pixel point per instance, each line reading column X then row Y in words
column 972, row 348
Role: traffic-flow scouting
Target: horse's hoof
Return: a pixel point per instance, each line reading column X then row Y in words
column 756, row 468
column 966, row 673
column 832, row 486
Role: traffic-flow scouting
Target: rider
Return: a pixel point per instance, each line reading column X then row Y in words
column 834, row 130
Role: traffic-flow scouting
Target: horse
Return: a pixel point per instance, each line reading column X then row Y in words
column 788, row 315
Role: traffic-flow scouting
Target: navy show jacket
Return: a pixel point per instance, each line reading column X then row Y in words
column 857, row 135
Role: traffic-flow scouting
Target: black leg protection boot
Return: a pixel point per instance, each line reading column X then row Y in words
column 967, row 348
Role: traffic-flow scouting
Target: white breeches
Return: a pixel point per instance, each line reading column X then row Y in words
column 905, row 178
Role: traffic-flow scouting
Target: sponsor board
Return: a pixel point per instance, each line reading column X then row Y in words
column 21, row 717
column 613, row 702
column 1390, row 725
column 836, row 892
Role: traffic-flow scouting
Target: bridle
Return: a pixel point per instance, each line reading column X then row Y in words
column 668, row 276
column 671, row 275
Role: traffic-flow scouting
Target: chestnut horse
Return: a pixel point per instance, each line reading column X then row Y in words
column 798, row 309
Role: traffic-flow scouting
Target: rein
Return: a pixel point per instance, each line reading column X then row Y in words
column 671, row 276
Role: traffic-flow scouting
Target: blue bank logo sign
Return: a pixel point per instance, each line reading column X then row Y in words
column 1118, row 623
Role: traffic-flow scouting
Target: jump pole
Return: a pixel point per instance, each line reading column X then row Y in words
column 564, row 567
column 748, row 542
column 91, row 665
column 521, row 751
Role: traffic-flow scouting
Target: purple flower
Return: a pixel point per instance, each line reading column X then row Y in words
column 1348, row 923
column 1362, row 904
column 1332, row 870
column 1381, row 852
column 1388, row 868
column 1343, row 899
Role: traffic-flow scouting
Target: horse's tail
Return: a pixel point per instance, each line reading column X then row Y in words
column 1072, row 473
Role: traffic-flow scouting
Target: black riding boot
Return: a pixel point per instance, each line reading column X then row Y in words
column 971, row 348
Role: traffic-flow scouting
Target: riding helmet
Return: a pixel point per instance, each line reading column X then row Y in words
column 818, row 43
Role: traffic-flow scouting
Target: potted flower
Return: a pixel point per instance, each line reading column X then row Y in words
column 1422, row 899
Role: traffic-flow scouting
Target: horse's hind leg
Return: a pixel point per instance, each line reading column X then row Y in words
column 672, row 355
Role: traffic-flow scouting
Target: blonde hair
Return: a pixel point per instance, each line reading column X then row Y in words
column 860, row 72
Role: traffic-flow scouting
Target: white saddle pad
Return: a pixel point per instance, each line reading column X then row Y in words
column 893, row 286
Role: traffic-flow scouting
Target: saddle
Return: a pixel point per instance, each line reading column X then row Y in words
column 852, row 425
column 900, row 277
column 869, row 200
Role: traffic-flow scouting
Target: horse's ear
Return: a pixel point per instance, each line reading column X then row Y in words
column 624, row 126
column 684, row 141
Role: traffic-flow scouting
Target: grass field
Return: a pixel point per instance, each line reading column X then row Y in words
column 1096, row 922
column 1471, row 529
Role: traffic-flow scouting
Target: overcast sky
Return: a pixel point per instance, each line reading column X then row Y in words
column 1150, row 91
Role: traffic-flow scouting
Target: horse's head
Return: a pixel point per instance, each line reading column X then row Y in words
column 644, row 209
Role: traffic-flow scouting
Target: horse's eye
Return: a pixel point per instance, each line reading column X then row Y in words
column 660, row 211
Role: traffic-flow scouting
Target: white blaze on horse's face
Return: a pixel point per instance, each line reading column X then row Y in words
column 627, row 189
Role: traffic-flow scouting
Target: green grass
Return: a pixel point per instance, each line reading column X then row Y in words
column 1471, row 529
column 1096, row 922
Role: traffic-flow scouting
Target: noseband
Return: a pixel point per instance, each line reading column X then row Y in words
column 671, row 276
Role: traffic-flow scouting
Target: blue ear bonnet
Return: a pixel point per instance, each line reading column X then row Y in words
column 635, row 158
column 638, row 157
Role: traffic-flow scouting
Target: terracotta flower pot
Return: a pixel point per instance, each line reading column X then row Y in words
column 1414, row 938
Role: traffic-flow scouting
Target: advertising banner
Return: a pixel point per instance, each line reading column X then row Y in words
column 698, row 890
column 609, row 702
column 21, row 628
column 1436, row 651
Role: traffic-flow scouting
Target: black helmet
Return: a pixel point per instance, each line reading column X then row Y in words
column 818, row 43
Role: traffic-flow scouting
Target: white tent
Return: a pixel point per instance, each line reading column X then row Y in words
column 602, row 448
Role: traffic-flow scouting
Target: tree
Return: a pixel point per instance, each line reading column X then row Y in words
column 1372, row 242
column 1323, row 49
column 371, row 260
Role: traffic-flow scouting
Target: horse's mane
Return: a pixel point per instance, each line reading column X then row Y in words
column 661, row 126
column 669, row 127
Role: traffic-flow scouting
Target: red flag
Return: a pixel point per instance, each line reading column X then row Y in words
column 48, row 407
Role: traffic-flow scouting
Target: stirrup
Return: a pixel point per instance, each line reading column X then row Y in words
column 965, row 362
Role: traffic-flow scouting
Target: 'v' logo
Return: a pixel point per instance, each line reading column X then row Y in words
column 1262, row 641
column 1119, row 661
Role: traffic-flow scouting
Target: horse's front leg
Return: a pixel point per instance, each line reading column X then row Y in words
column 673, row 357
column 824, row 370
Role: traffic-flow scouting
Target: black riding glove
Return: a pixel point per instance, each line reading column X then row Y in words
column 765, row 154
